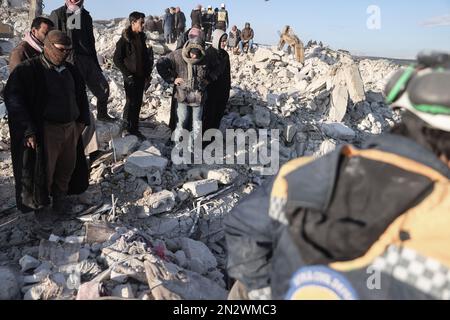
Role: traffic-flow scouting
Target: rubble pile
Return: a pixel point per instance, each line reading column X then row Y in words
column 149, row 229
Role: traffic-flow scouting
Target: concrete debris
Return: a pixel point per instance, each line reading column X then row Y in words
column 28, row 263
column 161, row 202
column 123, row 146
column 338, row 131
column 201, row 188
column 141, row 163
column 9, row 288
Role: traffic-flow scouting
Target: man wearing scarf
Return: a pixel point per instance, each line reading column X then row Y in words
column 190, row 70
column 32, row 44
column 73, row 19
column 47, row 111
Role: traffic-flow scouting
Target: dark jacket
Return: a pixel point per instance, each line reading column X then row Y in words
column 168, row 22
column 83, row 39
column 25, row 100
column 180, row 20
column 151, row 26
column 125, row 56
column 196, row 17
column 334, row 210
column 218, row 92
column 234, row 38
column 22, row 52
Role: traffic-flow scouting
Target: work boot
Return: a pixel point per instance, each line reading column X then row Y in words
column 60, row 204
column 102, row 114
column 138, row 134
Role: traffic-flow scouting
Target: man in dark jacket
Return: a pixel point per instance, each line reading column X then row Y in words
column 135, row 61
column 234, row 37
column 47, row 111
column 168, row 24
column 150, row 24
column 76, row 22
column 247, row 36
column 222, row 21
column 218, row 91
column 32, row 44
column 180, row 22
column 190, row 70
column 208, row 22
column 368, row 223
column 196, row 16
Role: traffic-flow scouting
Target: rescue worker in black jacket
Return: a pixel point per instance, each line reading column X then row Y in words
column 135, row 61
column 368, row 223
column 74, row 20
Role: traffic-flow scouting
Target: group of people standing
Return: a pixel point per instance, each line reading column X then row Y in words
column 48, row 109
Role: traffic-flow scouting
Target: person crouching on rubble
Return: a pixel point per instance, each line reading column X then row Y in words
column 135, row 60
column 190, row 70
column 247, row 36
column 368, row 223
column 47, row 112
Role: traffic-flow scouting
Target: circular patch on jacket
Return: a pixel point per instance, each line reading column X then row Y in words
column 320, row 283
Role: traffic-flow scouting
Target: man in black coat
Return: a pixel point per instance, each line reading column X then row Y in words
column 180, row 22
column 47, row 111
column 73, row 19
column 218, row 92
column 196, row 16
column 135, row 61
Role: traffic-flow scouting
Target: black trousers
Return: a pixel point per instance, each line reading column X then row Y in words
column 134, row 94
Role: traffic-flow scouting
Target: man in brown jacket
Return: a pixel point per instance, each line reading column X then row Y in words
column 32, row 44
column 247, row 36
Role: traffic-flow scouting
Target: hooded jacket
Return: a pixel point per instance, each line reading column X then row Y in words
column 195, row 73
column 219, row 90
column 25, row 101
column 344, row 214
column 126, row 55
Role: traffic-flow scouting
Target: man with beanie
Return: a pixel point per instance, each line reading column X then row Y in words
column 32, row 44
column 366, row 223
column 48, row 109
column 73, row 19
column 135, row 61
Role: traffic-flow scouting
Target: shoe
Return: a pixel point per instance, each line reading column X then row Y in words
column 139, row 135
column 105, row 117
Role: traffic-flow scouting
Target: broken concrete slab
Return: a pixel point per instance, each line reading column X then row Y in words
column 201, row 188
column 262, row 116
column 317, row 85
column 289, row 132
column 154, row 178
column 224, row 176
column 124, row 291
column 198, row 252
column 339, row 103
column 161, row 202
column 124, row 146
column 355, row 84
column 141, row 163
column 59, row 254
column 338, row 131
column 28, row 263
column 262, row 55
column 9, row 284
column 98, row 232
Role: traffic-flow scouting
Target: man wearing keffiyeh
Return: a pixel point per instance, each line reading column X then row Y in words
column 32, row 44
